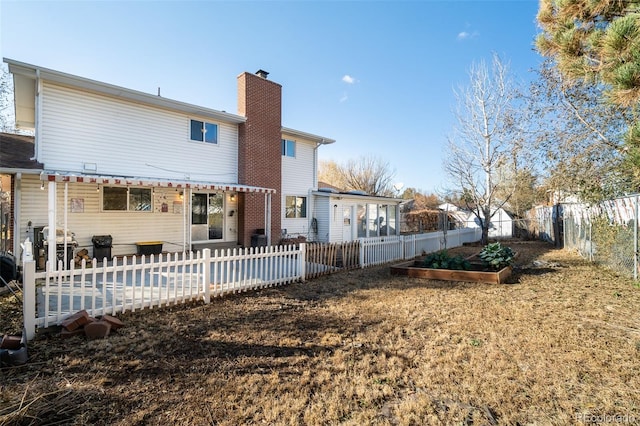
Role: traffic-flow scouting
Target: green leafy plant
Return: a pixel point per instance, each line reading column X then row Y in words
column 495, row 256
column 442, row 260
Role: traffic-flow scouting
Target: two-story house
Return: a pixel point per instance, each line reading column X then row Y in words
column 140, row 167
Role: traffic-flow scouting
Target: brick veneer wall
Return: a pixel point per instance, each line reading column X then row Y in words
column 259, row 154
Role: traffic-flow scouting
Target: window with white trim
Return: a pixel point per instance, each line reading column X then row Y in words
column 118, row 198
column 288, row 148
column 295, row 207
column 202, row 131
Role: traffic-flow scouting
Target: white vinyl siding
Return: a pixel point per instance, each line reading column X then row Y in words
column 335, row 220
column 322, row 214
column 125, row 227
column 297, row 179
column 329, row 211
column 127, row 139
column 297, row 173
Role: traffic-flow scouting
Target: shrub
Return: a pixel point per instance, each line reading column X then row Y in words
column 495, row 256
column 442, row 260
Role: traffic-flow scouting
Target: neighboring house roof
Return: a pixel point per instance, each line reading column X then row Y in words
column 448, row 206
column 17, row 152
column 328, row 185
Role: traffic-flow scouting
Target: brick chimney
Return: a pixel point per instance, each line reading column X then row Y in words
column 259, row 153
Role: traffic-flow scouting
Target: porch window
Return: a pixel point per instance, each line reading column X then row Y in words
column 288, row 148
column 362, row 220
column 202, row 131
column 117, row 198
column 295, row 207
column 375, row 220
column 391, row 219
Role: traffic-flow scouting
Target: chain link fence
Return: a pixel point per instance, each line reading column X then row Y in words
column 605, row 233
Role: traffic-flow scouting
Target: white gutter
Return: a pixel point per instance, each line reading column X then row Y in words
column 11, row 170
column 311, row 199
column 36, row 118
column 309, row 136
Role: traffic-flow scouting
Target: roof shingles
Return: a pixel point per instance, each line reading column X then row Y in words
column 16, row 152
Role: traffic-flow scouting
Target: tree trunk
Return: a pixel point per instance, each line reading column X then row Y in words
column 486, row 221
column 485, row 235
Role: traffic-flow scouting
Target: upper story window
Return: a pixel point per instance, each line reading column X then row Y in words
column 288, row 148
column 202, row 131
column 126, row 199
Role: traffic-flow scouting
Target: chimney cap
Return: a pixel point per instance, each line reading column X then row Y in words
column 262, row 73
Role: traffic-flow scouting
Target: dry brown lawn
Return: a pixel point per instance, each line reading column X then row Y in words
column 558, row 345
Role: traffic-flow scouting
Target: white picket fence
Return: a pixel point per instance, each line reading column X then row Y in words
column 379, row 250
column 134, row 283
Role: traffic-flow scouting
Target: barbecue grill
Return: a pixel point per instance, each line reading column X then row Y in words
column 70, row 240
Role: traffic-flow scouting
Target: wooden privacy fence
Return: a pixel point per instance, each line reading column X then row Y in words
column 327, row 258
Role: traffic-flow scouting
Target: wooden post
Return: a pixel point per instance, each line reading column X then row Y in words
column 29, row 299
column 206, row 274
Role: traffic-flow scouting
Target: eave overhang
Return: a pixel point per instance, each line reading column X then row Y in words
column 308, row 136
column 26, row 74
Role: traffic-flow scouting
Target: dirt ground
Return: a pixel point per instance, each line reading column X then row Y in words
column 559, row 344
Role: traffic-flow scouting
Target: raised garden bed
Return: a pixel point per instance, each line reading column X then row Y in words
column 415, row 269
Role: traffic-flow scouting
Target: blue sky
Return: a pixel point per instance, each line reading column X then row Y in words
column 376, row 76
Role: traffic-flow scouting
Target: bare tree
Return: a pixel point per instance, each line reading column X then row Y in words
column 6, row 100
column 484, row 140
column 331, row 172
column 368, row 174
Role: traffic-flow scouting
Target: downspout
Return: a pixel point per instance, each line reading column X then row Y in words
column 311, row 198
column 38, row 114
column 311, row 214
